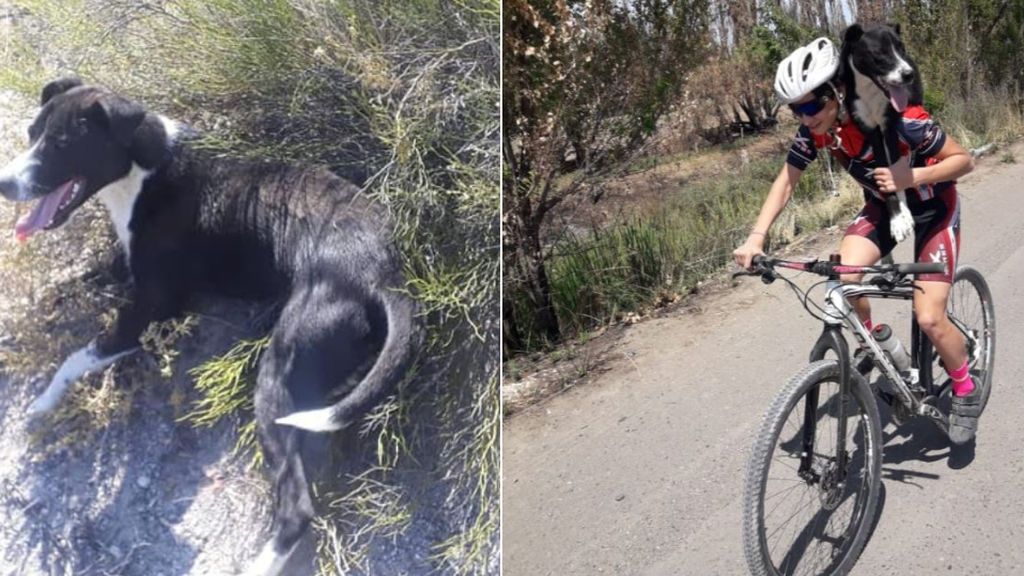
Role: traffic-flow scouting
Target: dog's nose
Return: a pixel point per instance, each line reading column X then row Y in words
column 16, row 175
column 908, row 76
column 9, row 187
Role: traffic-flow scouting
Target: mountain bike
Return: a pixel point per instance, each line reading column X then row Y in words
column 814, row 473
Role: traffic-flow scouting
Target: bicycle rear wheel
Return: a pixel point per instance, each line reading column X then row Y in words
column 971, row 310
column 812, row 521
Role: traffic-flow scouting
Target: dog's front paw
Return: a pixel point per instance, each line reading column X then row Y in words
column 42, row 406
column 901, row 224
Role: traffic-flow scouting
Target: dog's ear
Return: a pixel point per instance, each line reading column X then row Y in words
column 852, row 34
column 120, row 115
column 149, row 143
column 895, row 28
column 131, row 126
column 58, row 86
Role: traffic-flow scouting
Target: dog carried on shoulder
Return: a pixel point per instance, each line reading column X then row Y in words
column 881, row 81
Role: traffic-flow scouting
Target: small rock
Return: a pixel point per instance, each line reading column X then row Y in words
column 143, row 482
column 620, row 497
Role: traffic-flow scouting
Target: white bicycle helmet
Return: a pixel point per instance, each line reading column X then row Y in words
column 805, row 69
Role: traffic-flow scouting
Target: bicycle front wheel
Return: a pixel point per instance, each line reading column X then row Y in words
column 809, row 512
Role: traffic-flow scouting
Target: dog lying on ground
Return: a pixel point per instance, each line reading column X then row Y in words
column 191, row 222
column 880, row 81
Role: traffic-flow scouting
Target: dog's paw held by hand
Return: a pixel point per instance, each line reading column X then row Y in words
column 901, row 225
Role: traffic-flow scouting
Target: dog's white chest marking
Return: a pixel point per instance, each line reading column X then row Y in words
column 870, row 105
column 119, row 197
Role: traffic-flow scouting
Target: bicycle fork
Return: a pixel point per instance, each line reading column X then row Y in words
column 831, row 339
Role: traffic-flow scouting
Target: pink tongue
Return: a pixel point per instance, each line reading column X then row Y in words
column 898, row 98
column 42, row 213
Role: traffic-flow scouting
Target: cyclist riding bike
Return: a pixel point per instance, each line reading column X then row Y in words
column 927, row 170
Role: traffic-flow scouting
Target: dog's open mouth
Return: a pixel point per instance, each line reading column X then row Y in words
column 51, row 210
column 898, row 95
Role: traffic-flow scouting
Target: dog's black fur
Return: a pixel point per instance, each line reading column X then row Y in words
column 346, row 334
column 874, row 77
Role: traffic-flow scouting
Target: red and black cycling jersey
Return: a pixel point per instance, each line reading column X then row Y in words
column 920, row 137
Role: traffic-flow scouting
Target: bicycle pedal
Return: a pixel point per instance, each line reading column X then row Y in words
column 929, row 410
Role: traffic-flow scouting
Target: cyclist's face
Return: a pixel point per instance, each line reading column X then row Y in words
column 824, row 119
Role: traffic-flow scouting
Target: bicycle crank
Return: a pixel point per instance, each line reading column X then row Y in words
column 927, row 409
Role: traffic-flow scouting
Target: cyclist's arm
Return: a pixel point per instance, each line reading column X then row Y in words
column 778, row 196
column 953, row 162
column 948, row 160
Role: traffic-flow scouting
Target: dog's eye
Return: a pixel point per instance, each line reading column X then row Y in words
column 61, row 141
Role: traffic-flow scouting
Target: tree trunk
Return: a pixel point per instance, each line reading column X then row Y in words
column 511, row 340
column 538, row 288
column 525, row 270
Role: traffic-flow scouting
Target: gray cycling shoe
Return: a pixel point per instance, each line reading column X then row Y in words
column 963, row 417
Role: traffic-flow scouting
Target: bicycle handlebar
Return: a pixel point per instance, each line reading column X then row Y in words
column 765, row 266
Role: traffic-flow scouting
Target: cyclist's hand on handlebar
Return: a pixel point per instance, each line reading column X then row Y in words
column 744, row 255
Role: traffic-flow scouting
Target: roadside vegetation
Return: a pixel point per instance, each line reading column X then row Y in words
column 602, row 275
column 565, row 277
column 399, row 97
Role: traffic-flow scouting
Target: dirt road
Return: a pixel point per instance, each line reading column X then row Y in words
column 640, row 471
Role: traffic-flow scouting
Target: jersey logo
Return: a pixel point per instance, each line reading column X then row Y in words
column 802, row 142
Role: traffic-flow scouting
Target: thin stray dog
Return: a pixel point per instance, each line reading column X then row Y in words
column 880, row 81
column 191, row 222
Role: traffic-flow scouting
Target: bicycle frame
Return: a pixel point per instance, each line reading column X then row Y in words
column 839, row 312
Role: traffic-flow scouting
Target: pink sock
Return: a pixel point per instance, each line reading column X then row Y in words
column 963, row 384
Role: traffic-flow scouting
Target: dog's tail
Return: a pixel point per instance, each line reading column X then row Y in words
column 394, row 361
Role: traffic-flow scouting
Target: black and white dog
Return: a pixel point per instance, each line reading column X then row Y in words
column 880, row 82
column 190, row 222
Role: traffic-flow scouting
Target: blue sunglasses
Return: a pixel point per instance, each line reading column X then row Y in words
column 810, row 108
